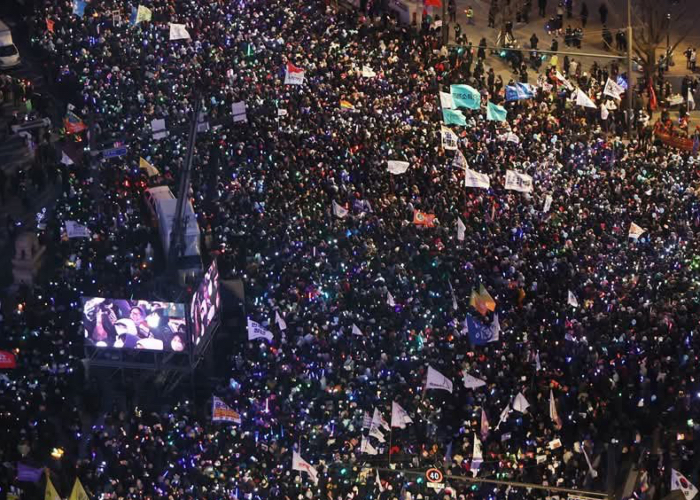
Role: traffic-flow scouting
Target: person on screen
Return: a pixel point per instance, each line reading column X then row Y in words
column 99, row 319
column 127, row 337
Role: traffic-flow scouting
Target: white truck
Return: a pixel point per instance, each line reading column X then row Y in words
column 9, row 55
column 162, row 203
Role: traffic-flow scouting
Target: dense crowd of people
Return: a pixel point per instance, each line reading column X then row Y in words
column 369, row 299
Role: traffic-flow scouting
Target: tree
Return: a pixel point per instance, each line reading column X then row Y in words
column 656, row 20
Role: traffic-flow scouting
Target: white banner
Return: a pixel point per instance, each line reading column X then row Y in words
column 449, row 138
column 368, row 72
column 238, row 109
column 518, row 182
column 158, row 128
column 397, row 167
column 178, row 32
column 474, row 179
column 75, row 230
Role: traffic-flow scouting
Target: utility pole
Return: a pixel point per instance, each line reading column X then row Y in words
column 630, row 86
column 445, row 25
column 177, row 236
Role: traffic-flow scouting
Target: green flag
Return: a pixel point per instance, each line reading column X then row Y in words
column 495, row 112
column 453, row 117
column 465, row 96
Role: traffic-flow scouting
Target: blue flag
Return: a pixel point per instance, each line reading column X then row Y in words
column 28, row 474
column 495, row 112
column 465, row 96
column 132, row 18
column 453, row 117
column 519, row 91
column 479, row 333
column 79, row 8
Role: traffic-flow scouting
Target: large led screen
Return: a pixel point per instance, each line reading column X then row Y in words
column 134, row 324
column 205, row 304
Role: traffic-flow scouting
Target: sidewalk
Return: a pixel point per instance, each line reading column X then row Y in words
column 592, row 39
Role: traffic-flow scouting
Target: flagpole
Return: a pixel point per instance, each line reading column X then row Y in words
column 391, row 433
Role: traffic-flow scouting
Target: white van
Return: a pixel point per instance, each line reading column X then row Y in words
column 9, row 55
column 162, row 204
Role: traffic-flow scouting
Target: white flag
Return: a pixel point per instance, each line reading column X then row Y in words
column 397, row 167
column 477, row 457
column 65, row 159
column 691, row 100
column 437, row 380
column 679, row 482
column 75, row 230
column 390, row 299
column 520, row 404
column 564, row 81
column 604, row 113
column 366, row 421
column 582, row 99
column 538, row 364
column 368, row 72
column 472, row 382
column 378, row 481
column 280, row 321
column 518, row 182
column 460, row 161
column 302, row 465
column 547, row 203
column 553, row 414
column 399, row 417
column 366, row 447
column 504, row 415
column 474, row 179
column 255, row 331
column 356, row 330
column 378, row 420
column 572, row 300
column 446, row 100
column 339, row 211
column 376, row 433
column 511, row 137
column 461, row 229
column 293, row 75
column 449, row 138
column 178, row 32
column 635, row 231
column 613, row 89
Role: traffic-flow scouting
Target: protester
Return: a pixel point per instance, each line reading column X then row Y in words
column 585, row 283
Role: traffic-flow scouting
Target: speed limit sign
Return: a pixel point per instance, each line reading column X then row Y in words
column 433, row 475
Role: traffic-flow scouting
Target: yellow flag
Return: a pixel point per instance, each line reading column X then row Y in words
column 51, row 493
column 477, row 303
column 143, row 14
column 150, row 169
column 488, row 301
column 78, row 492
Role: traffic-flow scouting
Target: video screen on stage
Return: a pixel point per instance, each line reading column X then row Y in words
column 134, row 324
column 205, row 304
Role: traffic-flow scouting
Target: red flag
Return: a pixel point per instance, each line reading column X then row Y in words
column 73, row 123
column 423, row 219
column 7, row 360
column 49, row 25
column 653, row 103
column 433, row 3
column 293, row 69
